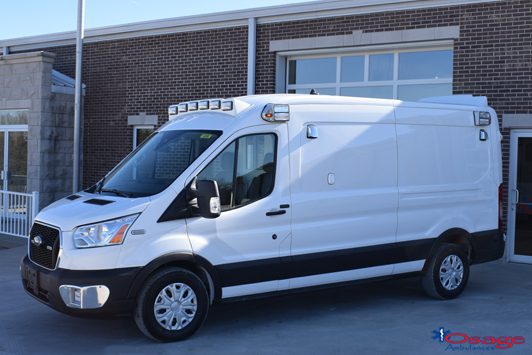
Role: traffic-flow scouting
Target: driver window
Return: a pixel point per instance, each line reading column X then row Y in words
column 244, row 171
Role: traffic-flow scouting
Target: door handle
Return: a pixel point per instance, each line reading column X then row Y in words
column 275, row 212
column 516, row 196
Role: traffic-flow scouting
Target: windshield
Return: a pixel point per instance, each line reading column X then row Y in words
column 155, row 164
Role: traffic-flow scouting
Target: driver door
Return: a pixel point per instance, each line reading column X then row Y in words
column 246, row 241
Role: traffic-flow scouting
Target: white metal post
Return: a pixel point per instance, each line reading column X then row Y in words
column 78, row 92
column 34, row 205
column 252, row 31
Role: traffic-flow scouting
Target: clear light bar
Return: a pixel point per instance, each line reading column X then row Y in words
column 193, row 106
column 203, row 105
column 182, row 107
column 172, row 110
column 211, row 104
column 215, row 104
column 227, row 105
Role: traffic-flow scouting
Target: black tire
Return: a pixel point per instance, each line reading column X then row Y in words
column 144, row 311
column 431, row 282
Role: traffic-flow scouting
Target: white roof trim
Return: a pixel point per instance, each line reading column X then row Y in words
column 465, row 100
column 292, row 12
column 360, row 38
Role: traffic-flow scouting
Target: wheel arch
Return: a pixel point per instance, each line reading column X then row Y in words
column 456, row 236
column 191, row 262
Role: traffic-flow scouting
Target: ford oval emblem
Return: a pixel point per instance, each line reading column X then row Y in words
column 37, row 241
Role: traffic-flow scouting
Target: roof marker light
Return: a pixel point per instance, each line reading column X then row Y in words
column 183, row 107
column 172, row 110
column 203, row 105
column 215, row 104
column 193, row 106
column 482, row 118
column 276, row 113
column 227, row 105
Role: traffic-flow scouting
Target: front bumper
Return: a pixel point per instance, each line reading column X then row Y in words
column 44, row 285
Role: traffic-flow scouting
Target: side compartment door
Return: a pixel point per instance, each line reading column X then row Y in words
column 246, row 241
column 344, row 194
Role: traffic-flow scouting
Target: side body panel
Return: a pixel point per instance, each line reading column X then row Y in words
column 344, row 191
column 448, row 178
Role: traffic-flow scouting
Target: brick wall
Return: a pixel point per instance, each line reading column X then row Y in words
column 147, row 74
column 173, row 161
column 493, row 57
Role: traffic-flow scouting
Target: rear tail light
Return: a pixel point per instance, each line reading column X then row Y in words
column 500, row 206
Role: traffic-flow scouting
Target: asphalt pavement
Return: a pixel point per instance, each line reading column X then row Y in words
column 385, row 317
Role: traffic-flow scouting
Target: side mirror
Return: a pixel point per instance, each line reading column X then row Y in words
column 208, row 198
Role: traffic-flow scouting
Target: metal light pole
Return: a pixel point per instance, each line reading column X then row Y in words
column 78, row 94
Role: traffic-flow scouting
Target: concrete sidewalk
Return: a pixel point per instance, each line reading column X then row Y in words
column 384, row 317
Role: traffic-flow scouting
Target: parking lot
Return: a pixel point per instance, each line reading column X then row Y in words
column 383, row 317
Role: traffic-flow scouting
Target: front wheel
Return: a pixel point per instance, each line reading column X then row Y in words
column 447, row 273
column 172, row 305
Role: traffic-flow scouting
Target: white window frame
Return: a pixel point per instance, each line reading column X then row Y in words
column 135, row 133
column 338, row 85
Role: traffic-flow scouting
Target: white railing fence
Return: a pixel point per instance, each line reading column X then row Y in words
column 17, row 212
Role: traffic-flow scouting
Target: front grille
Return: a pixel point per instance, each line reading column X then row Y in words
column 46, row 253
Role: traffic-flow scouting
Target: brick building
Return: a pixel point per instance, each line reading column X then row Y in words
column 402, row 49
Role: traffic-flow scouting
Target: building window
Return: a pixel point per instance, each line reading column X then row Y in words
column 402, row 74
column 140, row 133
column 13, row 117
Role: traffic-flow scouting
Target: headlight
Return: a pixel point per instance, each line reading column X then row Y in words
column 104, row 233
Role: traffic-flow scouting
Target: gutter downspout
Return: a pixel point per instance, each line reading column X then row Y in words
column 252, row 35
column 78, row 97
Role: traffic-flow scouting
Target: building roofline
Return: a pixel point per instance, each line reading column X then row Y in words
column 270, row 14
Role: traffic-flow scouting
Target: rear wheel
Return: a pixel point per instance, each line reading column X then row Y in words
column 447, row 273
column 172, row 305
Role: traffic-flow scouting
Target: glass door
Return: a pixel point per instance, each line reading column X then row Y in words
column 17, row 161
column 13, row 159
column 520, row 198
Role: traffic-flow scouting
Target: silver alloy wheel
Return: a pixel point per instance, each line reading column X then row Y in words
column 175, row 306
column 451, row 272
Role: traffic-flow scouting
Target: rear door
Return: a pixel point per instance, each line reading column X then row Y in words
column 253, row 231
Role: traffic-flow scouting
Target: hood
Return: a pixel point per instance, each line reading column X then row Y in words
column 84, row 208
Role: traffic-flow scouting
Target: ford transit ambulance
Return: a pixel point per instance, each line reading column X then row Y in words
column 275, row 193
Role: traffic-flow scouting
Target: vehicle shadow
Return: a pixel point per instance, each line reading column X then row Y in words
column 234, row 324
column 308, row 304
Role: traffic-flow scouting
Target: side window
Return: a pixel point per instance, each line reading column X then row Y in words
column 244, row 171
column 222, row 169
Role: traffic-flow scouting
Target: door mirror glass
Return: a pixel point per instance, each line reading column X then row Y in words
column 208, row 198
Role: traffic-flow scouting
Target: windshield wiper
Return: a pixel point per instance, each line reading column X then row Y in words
column 116, row 192
column 99, row 185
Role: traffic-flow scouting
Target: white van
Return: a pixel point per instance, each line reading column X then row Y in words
column 264, row 194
